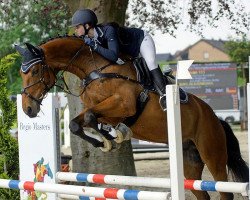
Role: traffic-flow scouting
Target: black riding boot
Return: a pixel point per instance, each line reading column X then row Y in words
column 160, row 85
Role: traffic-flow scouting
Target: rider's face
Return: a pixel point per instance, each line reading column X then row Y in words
column 79, row 30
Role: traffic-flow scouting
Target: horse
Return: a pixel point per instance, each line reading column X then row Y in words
column 112, row 99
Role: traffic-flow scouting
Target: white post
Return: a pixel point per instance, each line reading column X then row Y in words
column 248, row 109
column 175, row 142
column 66, row 128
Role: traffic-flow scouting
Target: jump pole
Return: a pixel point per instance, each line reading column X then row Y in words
column 112, row 193
column 219, row 186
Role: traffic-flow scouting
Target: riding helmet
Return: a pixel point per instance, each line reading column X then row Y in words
column 84, row 16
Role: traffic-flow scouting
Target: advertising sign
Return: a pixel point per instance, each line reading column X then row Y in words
column 38, row 147
column 215, row 83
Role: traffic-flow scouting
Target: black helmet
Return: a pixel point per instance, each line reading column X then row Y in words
column 84, row 16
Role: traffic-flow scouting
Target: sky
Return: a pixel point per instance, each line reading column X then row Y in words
column 168, row 44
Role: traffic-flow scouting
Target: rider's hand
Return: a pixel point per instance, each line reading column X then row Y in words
column 90, row 42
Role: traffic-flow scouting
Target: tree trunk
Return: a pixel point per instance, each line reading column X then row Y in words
column 86, row 158
column 106, row 10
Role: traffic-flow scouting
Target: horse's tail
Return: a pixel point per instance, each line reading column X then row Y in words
column 236, row 165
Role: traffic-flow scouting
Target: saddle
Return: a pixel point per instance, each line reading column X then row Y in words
column 144, row 76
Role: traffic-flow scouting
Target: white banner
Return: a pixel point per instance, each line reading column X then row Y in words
column 38, row 147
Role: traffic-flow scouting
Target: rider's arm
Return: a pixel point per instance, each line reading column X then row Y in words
column 111, row 53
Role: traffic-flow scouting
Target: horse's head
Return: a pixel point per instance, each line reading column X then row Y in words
column 37, row 78
column 41, row 65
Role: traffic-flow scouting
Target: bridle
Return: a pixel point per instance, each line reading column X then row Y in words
column 47, row 87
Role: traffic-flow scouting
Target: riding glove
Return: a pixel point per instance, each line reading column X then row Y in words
column 90, row 42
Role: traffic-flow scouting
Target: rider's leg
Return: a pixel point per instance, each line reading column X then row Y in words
column 148, row 52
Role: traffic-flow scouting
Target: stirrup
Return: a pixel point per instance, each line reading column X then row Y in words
column 162, row 102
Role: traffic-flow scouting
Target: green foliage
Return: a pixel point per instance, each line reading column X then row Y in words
column 13, row 75
column 30, row 21
column 238, row 50
column 8, row 144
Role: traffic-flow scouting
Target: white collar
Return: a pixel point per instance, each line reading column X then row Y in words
column 97, row 32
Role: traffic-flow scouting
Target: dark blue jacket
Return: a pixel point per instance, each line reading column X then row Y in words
column 113, row 40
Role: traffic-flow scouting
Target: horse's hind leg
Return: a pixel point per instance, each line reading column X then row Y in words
column 213, row 151
column 193, row 167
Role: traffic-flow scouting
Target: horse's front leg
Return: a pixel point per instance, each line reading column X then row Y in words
column 118, row 134
column 116, row 106
column 76, row 127
column 86, row 127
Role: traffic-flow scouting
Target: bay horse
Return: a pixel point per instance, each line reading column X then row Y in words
column 207, row 140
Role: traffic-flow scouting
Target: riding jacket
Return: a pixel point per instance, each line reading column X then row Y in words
column 110, row 41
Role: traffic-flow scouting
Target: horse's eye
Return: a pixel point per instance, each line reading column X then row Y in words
column 35, row 71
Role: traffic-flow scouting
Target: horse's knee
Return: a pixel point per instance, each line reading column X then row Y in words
column 75, row 127
column 89, row 116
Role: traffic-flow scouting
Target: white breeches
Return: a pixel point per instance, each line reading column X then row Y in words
column 148, row 52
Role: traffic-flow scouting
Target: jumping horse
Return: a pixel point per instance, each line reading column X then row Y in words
column 111, row 100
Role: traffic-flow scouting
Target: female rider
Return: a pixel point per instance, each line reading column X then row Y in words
column 104, row 39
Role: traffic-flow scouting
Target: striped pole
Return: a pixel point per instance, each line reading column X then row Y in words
column 114, row 180
column 85, row 191
column 68, row 196
column 153, row 182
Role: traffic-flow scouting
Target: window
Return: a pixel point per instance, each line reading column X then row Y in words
column 206, row 55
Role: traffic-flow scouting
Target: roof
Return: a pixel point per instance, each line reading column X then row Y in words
column 219, row 44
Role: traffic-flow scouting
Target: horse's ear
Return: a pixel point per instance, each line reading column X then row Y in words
column 20, row 50
column 33, row 49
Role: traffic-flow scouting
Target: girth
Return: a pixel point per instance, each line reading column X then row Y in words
column 96, row 74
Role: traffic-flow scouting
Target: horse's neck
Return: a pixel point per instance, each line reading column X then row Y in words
column 61, row 56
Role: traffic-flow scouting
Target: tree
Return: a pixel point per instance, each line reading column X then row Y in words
column 9, row 167
column 164, row 15
column 168, row 15
column 239, row 52
column 30, row 21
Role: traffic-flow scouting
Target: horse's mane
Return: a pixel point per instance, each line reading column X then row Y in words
column 66, row 36
column 60, row 37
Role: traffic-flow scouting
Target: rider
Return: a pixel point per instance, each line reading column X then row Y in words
column 104, row 40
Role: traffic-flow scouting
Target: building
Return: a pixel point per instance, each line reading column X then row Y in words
column 204, row 51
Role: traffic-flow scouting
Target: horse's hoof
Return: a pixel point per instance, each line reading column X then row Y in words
column 123, row 133
column 119, row 139
column 107, row 145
